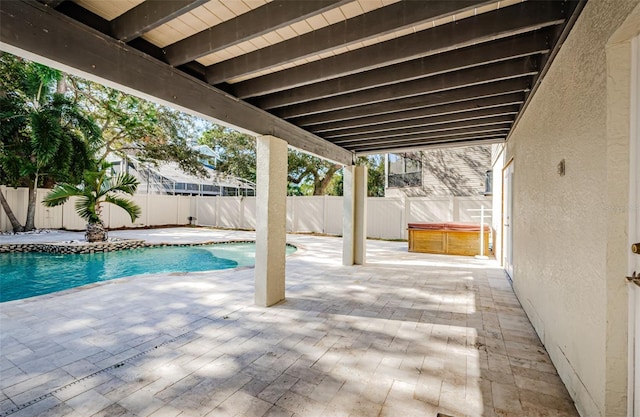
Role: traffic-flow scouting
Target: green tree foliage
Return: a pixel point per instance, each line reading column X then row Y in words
column 44, row 136
column 375, row 165
column 307, row 175
column 375, row 178
column 309, row 170
column 236, row 151
column 49, row 134
column 97, row 188
column 132, row 125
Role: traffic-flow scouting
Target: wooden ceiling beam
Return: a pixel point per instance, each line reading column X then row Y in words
column 420, row 145
column 466, row 94
column 148, row 15
column 435, row 121
column 505, row 22
column 473, row 76
column 468, row 133
column 486, row 53
column 506, row 100
column 375, row 23
column 52, row 3
column 254, row 23
column 444, row 129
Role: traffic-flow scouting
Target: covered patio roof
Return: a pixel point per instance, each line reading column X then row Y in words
column 334, row 78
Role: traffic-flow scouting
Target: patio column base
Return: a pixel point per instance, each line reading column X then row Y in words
column 354, row 226
column 271, row 209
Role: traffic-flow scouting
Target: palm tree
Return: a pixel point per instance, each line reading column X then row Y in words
column 44, row 136
column 98, row 187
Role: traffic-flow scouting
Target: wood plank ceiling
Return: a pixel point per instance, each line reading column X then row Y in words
column 370, row 76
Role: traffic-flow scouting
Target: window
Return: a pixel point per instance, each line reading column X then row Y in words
column 405, row 170
column 488, row 183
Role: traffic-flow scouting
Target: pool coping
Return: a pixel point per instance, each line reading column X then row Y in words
column 93, row 247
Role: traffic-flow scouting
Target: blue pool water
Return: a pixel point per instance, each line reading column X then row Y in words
column 24, row 275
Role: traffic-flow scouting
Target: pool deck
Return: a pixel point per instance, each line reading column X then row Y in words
column 407, row 334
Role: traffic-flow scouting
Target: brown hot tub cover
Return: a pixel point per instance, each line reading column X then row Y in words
column 462, row 227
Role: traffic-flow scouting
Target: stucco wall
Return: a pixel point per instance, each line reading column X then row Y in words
column 560, row 223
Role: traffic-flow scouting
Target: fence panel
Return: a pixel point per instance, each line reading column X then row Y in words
column 115, row 217
column 333, row 215
column 17, row 200
column 425, row 210
column 70, row 219
column 249, row 213
column 309, row 213
column 229, row 212
column 468, row 209
column 206, row 210
column 45, row 217
column 184, row 209
column 385, row 218
column 290, row 215
column 48, row 217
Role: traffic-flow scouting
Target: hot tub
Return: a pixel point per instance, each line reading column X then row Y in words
column 448, row 238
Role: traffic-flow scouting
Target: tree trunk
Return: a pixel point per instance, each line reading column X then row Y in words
column 95, row 232
column 320, row 186
column 15, row 224
column 30, row 224
column 61, row 87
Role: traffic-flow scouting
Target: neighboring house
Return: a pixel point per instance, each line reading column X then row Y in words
column 460, row 171
column 168, row 178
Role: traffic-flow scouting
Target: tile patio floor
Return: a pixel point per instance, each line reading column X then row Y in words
column 405, row 335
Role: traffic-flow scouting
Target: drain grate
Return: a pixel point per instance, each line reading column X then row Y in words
column 77, row 381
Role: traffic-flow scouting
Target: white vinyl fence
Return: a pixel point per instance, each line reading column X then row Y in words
column 387, row 218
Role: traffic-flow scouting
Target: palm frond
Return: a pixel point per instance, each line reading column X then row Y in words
column 125, row 183
column 77, row 120
column 46, row 134
column 90, row 176
column 60, row 194
column 45, row 77
column 132, row 209
column 13, row 113
column 86, row 208
column 81, row 157
column 102, row 179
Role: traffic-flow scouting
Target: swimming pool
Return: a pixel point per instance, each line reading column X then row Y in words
column 24, row 275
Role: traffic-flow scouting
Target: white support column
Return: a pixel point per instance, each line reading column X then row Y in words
column 360, row 215
column 348, row 203
column 354, row 226
column 271, row 218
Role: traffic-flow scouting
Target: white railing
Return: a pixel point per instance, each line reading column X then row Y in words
column 484, row 217
column 387, row 218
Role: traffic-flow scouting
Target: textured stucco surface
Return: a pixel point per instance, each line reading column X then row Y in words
column 561, row 223
column 621, row 115
column 271, row 220
column 354, row 220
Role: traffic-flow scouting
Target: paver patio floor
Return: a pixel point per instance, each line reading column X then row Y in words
column 405, row 335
